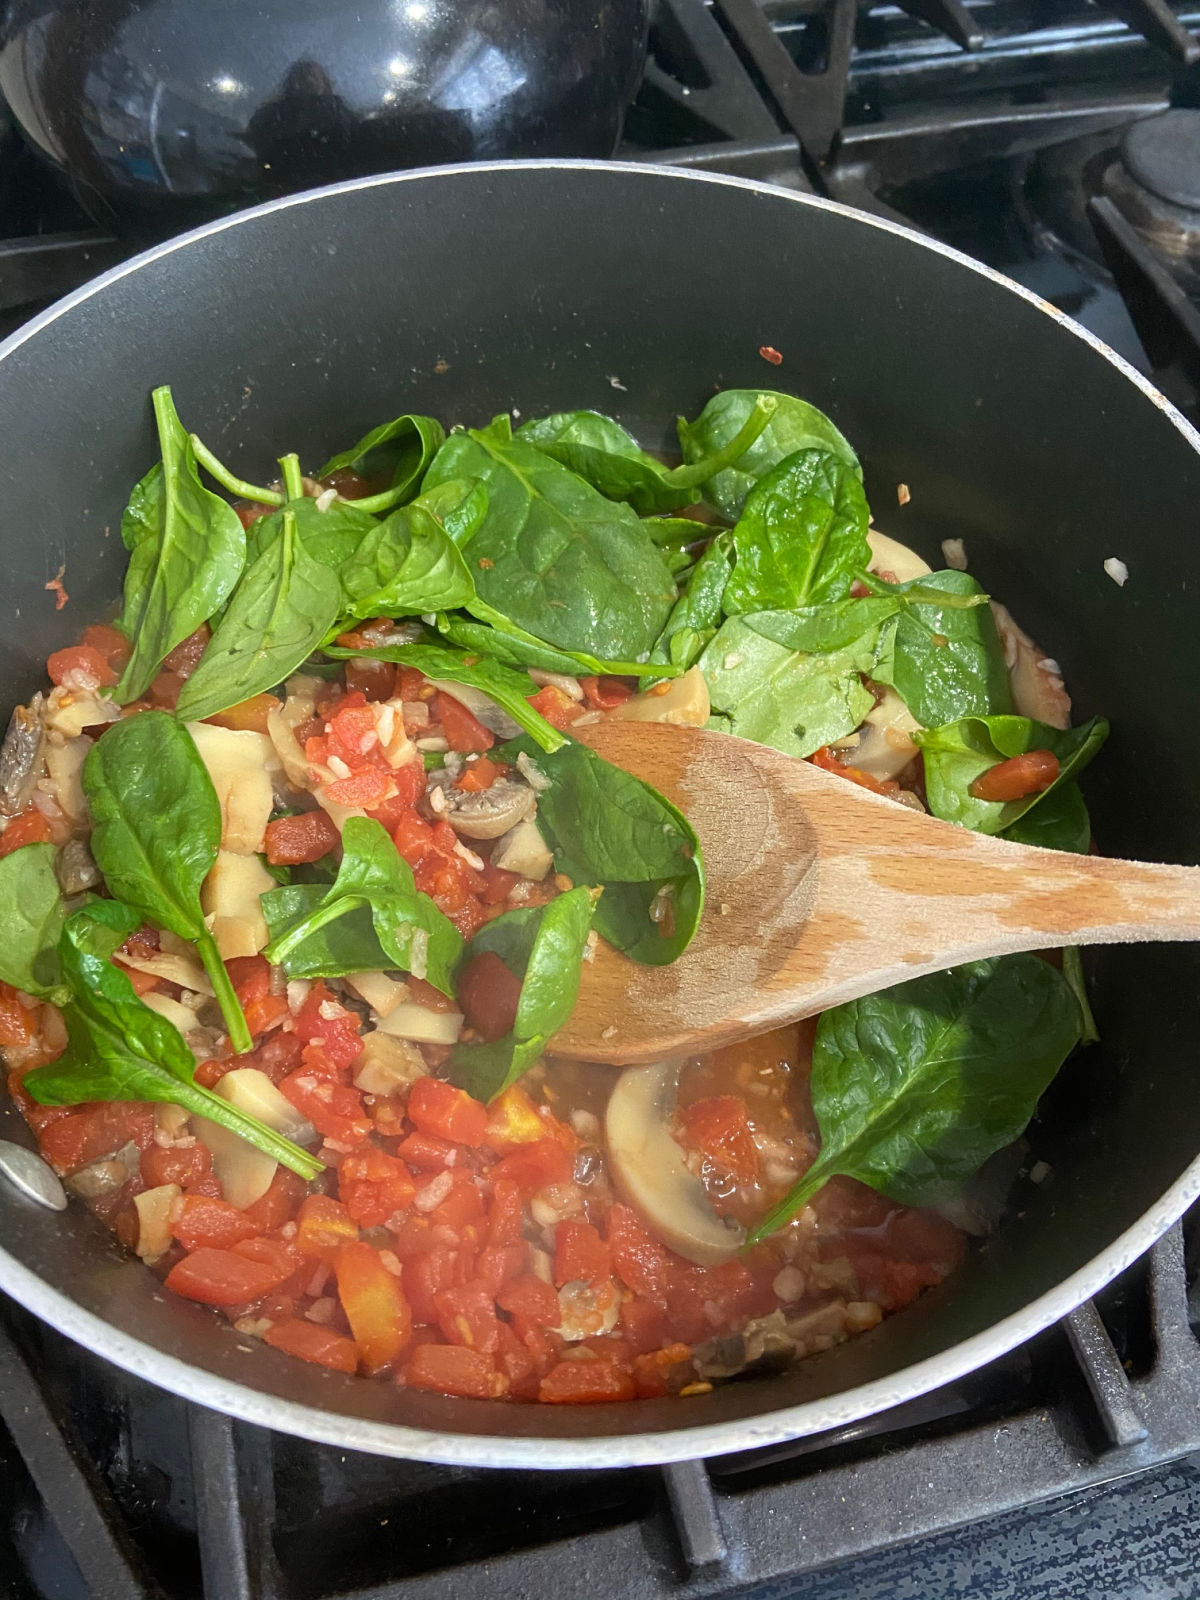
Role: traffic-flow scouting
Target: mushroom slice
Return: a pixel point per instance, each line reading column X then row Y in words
column 239, row 763
column 681, row 701
column 882, row 746
column 523, row 850
column 250, row 1090
column 230, row 898
column 1038, row 691
column 382, row 994
column 21, row 757
column 388, row 1066
column 244, row 1170
column 154, row 1208
column 889, row 555
column 422, row 1024
column 650, row 1170
column 487, row 813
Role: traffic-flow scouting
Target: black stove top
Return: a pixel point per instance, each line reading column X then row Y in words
column 1059, row 142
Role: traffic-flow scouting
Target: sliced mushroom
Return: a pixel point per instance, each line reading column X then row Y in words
column 882, row 746
column 650, row 1170
column 420, row 1023
column 173, row 967
column 487, row 813
column 239, row 763
column 680, row 701
column 75, row 868
column 481, row 706
column 64, row 772
column 154, row 1219
column 245, row 1171
column 523, row 850
column 295, row 763
column 251, row 1091
column 230, row 899
column 69, row 711
column 1038, row 690
column 388, row 1066
column 21, row 757
column 382, row 994
column 173, row 1011
column 889, row 555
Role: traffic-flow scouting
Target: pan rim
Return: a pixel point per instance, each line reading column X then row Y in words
column 540, row 1451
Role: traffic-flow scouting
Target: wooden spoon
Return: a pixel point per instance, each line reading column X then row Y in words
column 820, row 891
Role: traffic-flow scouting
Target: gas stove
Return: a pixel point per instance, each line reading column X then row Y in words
column 1059, row 142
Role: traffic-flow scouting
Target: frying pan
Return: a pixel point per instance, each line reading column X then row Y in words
column 637, row 291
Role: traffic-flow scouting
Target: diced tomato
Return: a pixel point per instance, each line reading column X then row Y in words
column 497, row 884
column 504, row 1215
column 296, row 1336
column 454, row 1369
column 718, row 1128
column 422, row 993
column 323, row 1226
column 283, row 1258
column 185, row 657
column 140, row 982
column 181, row 1164
column 531, row 1302
column 413, row 838
column 367, row 789
column 1017, row 778
column 109, row 642
column 519, row 1364
column 489, row 993
column 513, row 1119
column 248, row 716
column 535, row 1166
column 202, row 1222
column 427, row 1152
column 445, row 879
column 249, row 514
column 413, row 685
column 352, row 731
column 250, row 977
column 308, row 837
column 408, row 782
column 556, row 706
column 439, row 1108
column 85, row 667
column 652, row 1371
column 606, row 693
column 644, row 1323
column 469, row 917
column 466, row 1315
column 463, row 730
column 207, row 1184
column 29, row 827
column 164, row 692
column 495, row 1265
column 222, row 1278
column 642, row 1263
column 276, row 1056
column 375, row 679
column 335, row 1109
column 374, row 1185
column 18, row 1025
column 424, row 1277
column 90, row 1133
column 280, row 1202
column 267, row 1013
column 828, row 762
column 583, row 1383
column 321, row 1020
column 479, row 775
column 580, row 1252
column 461, row 1206
column 374, row 1303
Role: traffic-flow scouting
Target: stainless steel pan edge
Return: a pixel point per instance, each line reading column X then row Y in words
column 626, row 1446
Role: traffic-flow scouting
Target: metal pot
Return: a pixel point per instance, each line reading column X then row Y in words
column 464, row 291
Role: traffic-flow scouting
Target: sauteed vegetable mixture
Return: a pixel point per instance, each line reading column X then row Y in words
column 302, row 857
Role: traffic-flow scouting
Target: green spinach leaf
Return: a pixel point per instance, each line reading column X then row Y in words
column 612, row 830
column 459, row 504
column 553, row 554
column 280, row 611
column 961, row 752
column 331, row 536
column 330, row 949
column 397, row 452
column 915, row 1087
column 119, row 1049
column 515, row 647
column 802, row 536
column 157, row 829
column 945, row 660
column 187, row 552
column 543, row 946
column 1059, row 821
column 794, row 426
column 696, row 615
column 406, row 565
column 411, row 931
column 601, row 452
column 31, row 919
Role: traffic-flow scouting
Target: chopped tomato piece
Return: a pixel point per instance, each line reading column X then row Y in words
column 311, row 1342
column 374, row 1303
column 439, row 1108
column 165, row 690
column 185, row 657
column 30, row 827
column 308, row 837
column 111, row 644
column 424, row 1277
column 466, row 1314
column 250, row 977
column 248, row 716
column 462, row 1205
column 504, row 1217
column 718, row 1128
column 479, row 775
column 367, row 789
column 375, row 679
column 643, row 1323
column 557, row 707
column 267, row 1013
column 531, row 1302
column 277, row 1056
column 584, row 1383
column 535, row 1166
column 280, row 1202
column 90, row 1133
column 335, row 1109
column 1018, row 777
column 454, row 1369
column 653, row 1371
column 181, row 1164
column 642, row 1263
column 203, row 1222
column 222, row 1278
column 828, row 762
column 17, row 1024
column 427, row 1152
column 499, row 1263
column 489, row 993
column 413, row 838
column 497, row 884
column 323, row 1226
column 463, row 730
column 321, row 1020
column 580, row 1252
column 374, row 1186
column 606, row 693
column 84, row 667
column 513, row 1119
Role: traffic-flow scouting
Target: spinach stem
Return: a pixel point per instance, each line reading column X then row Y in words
column 231, row 1008
column 698, row 472
column 280, row 949
column 257, row 1133
column 293, row 478
column 793, row 1201
column 374, row 504
column 237, row 486
column 1072, row 965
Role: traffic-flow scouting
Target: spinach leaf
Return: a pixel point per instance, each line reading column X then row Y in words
column 552, row 553
column 794, row 426
column 279, row 613
column 157, row 829
column 509, row 689
column 331, row 949
column 677, row 533
column 794, row 679
column 411, row 931
column 187, row 552
column 945, row 660
column 398, row 452
column 404, row 566
column 801, row 537
column 610, row 829
column 459, row 504
column 514, row 646
column 331, row 536
column 961, row 752
column 915, row 1087
column 1059, row 821
column 601, row 452
column 31, row 919
column 696, row 615
column 118, row 1049
column 1072, row 970
column 543, row 946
